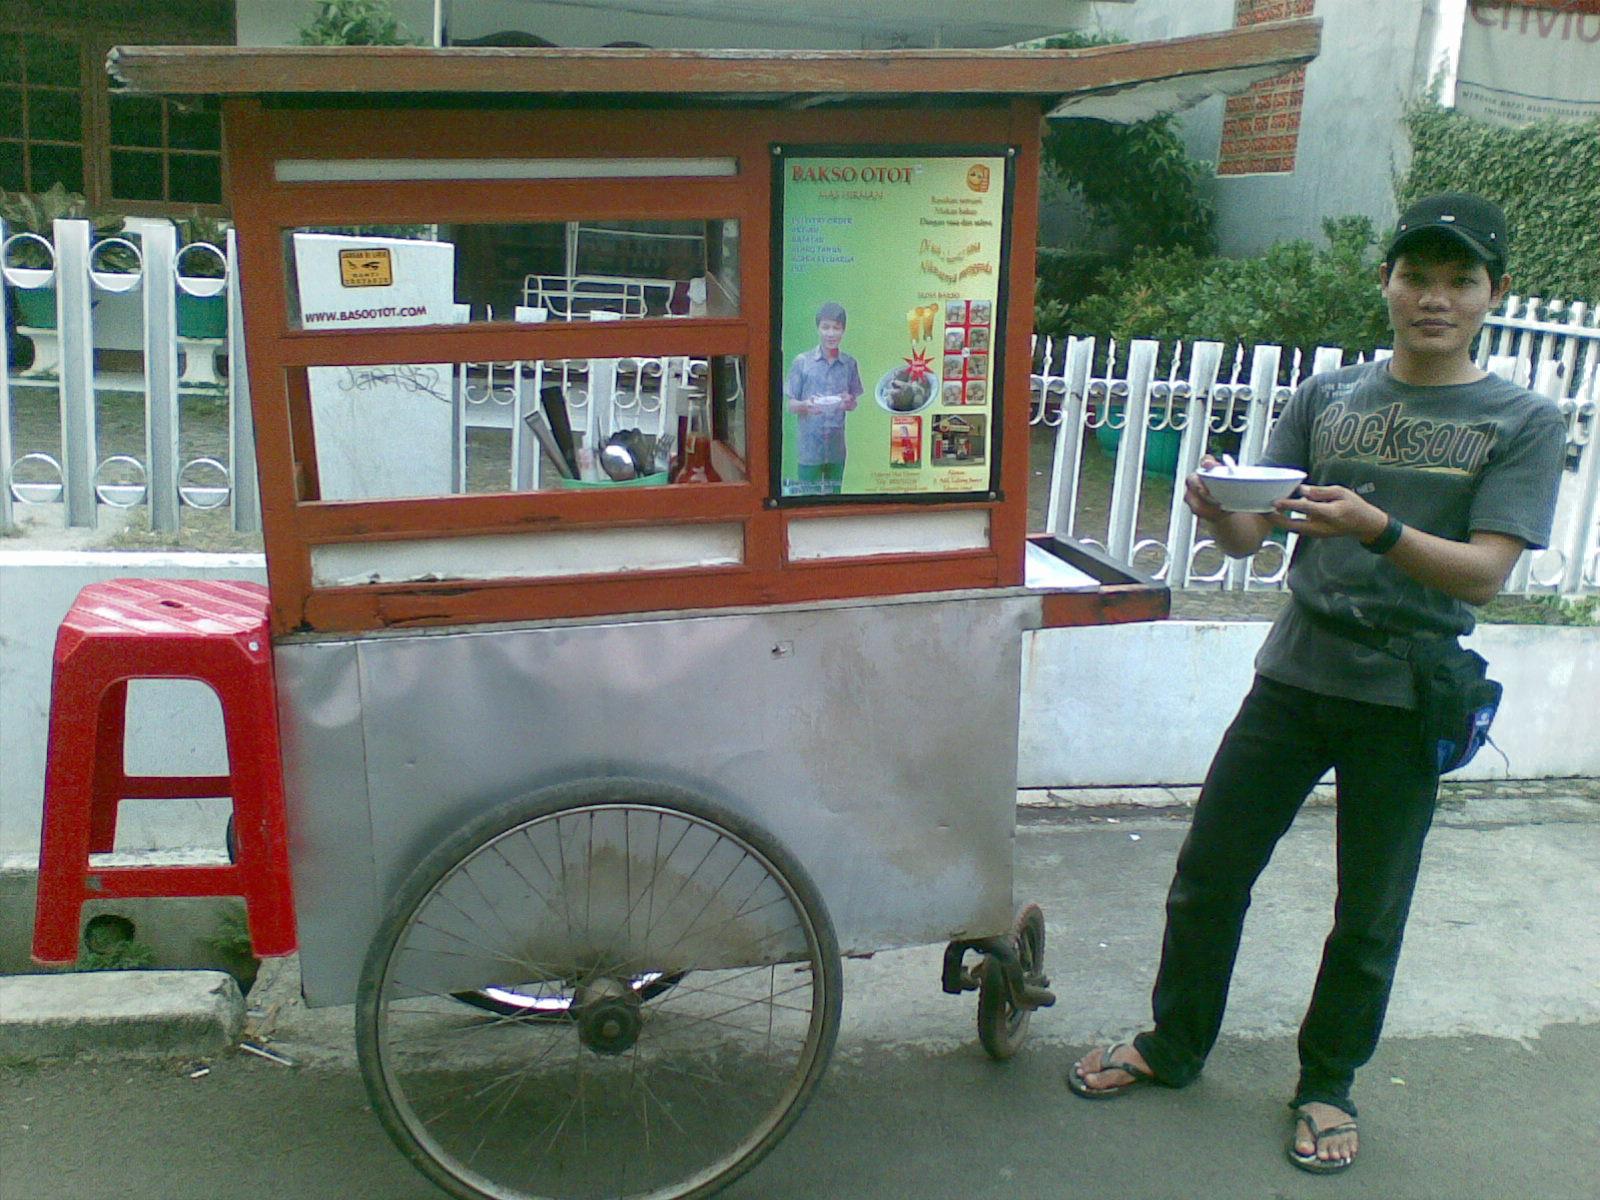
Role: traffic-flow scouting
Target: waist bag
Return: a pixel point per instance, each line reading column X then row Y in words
column 1456, row 699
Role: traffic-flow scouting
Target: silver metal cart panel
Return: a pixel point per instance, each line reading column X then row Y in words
column 876, row 741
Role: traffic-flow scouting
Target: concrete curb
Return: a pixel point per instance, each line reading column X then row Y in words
column 118, row 1013
column 1125, row 798
column 1555, row 796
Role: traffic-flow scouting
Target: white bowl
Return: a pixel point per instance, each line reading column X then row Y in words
column 1250, row 489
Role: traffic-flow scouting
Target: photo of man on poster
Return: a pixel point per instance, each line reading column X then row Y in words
column 822, row 388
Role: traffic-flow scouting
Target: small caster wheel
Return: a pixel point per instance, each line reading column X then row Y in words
column 1002, row 1023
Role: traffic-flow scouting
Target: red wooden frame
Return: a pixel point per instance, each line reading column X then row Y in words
column 264, row 208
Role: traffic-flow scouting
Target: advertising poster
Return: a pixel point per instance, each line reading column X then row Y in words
column 381, row 431
column 889, row 324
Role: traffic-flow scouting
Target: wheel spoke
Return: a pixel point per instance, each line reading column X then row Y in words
column 628, row 1081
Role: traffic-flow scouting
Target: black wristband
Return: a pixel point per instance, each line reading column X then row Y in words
column 1386, row 540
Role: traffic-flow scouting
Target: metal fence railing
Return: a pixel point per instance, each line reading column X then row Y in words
column 77, row 453
column 51, row 304
column 1122, row 491
column 1155, row 431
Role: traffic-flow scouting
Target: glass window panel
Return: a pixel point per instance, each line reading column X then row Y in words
column 55, row 164
column 193, row 129
column 135, row 120
column 11, row 176
column 731, row 404
column 10, row 58
column 11, row 112
column 136, row 175
column 553, row 271
column 196, row 178
column 436, row 429
column 51, row 60
column 55, row 116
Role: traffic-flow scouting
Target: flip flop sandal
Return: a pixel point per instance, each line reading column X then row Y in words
column 1310, row 1162
column 1139, row 1077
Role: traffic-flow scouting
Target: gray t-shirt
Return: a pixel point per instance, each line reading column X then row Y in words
column 1446, row 460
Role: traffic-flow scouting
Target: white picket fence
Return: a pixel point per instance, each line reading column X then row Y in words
column 78, row 476
column 1205, row 395
column 1554, row 348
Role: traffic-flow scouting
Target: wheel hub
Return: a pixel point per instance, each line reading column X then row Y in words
column 608, row 1015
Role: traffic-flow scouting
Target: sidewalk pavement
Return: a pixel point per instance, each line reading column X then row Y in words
column 1484, row 1087
column 1519, row 872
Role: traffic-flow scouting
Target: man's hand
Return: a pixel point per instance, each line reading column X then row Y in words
column 1474, row 570
column 1238, row 534
column 1198, row 497
column 1330, row 512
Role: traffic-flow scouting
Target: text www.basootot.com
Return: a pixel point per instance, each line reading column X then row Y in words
column 367, row 314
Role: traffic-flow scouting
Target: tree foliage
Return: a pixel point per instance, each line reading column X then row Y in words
column 1547, row 178
column 355, row 23
column 1137, row 178
column 37, row 213
column 1294, row 295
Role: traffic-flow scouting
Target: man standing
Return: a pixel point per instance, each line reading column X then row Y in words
column 824, row 385
column 1426, row 479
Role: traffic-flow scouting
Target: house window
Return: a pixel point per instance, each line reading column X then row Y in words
column 41, row 112
column 63, row 121
column 1261, row 128
column 157, row 152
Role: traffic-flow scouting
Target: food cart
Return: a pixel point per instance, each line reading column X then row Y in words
column 610, row 726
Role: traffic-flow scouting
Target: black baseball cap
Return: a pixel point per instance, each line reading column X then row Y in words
column 1471, row 220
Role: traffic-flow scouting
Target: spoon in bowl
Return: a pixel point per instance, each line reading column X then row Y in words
column 617, row 463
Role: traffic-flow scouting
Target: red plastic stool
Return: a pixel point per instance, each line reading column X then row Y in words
column 215, row 632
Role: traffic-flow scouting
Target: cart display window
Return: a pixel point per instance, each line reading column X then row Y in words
column 889, row 316
column 426, row 430
column 366, row 276
column 648, row 219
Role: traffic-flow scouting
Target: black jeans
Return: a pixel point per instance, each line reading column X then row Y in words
column 1283, row 740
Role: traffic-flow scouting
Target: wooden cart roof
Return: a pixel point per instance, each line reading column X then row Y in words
column 1122, row 83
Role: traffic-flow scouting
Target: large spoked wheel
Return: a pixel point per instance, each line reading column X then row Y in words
column 580, row 901
column 1002, row 1023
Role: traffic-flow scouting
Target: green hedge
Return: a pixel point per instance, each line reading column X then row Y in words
column 1135, row 178
column 1546, row 177
column 1294, row 295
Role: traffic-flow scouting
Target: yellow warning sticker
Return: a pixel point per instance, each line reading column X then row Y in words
column 366, row 268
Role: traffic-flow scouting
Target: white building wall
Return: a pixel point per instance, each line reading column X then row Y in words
column 1377, row 57
column 708, row 24
column 1173, row 687
column 174, row 728
column 1179, row 683
column 567, row 26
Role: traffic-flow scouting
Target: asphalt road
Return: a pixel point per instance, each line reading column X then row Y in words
column 1487, row 1085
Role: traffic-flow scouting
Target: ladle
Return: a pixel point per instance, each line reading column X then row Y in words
column 617, row 463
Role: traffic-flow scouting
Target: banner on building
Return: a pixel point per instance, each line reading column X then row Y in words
column 1524, row 62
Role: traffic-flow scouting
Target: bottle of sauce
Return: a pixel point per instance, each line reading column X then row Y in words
column 695, row 456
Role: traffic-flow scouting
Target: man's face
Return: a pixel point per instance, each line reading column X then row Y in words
column 829, row 334
column 1437, row 303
